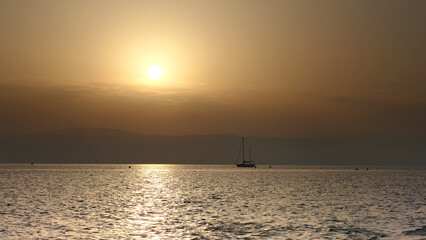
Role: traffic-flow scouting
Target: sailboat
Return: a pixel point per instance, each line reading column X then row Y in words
column 245, row 163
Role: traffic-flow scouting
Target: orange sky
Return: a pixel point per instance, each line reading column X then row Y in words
column 266, row 68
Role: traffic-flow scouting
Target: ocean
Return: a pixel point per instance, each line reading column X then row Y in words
column 211, row 202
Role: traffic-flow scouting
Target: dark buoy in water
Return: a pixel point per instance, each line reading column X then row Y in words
column 367, row 168
column 130, row 166
column 270, row 166
column 356, row 169
column 32, row 163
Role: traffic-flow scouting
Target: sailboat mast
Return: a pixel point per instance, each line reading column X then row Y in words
column 243, row 151
column 250, row 155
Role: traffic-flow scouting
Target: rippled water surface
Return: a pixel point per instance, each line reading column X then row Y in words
column 210, row 202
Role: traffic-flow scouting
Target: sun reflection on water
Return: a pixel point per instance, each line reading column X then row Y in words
column 153, row 200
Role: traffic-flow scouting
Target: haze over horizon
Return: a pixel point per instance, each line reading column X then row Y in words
column 94, row 146
column 303, row 69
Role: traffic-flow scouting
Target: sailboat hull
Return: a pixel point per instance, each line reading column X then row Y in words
column 245, row 165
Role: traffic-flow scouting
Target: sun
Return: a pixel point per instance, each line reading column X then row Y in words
column 154, row 72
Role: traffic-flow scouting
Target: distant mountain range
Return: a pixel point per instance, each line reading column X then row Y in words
column 117, row 146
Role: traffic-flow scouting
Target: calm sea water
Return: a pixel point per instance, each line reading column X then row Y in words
column 210, row 202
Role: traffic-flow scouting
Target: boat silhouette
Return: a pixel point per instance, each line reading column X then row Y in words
column 245, row 163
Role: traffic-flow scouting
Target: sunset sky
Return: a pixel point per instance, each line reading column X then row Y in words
column 256, row 68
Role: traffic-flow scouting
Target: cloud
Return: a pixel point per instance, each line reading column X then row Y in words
column 42, row 104
column 38, row 105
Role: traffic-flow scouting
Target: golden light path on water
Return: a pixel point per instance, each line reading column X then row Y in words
column 151, row 195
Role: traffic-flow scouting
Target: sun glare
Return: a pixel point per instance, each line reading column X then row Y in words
column 154, row 72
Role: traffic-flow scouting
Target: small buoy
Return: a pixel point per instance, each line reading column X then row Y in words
column 130, row 166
